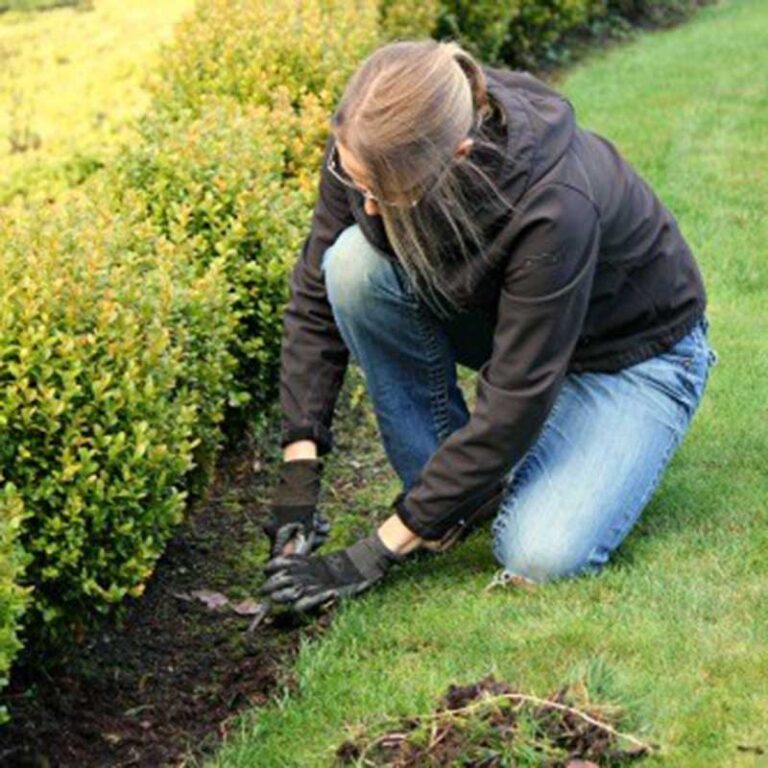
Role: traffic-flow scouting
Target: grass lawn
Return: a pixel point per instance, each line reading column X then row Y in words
column 675, row 627
column 70, row 82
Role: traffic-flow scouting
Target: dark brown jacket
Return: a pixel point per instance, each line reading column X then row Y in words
column 591, row 273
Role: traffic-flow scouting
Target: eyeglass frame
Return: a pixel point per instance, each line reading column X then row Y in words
column 347, row 182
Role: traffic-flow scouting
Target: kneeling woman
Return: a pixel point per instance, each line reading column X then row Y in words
column 465, row 217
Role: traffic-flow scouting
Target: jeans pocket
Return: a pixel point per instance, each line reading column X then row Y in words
column 679, row 373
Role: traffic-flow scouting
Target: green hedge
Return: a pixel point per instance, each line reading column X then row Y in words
column 531, row 34
column 161, row 303
column 13, row 598
column 214, row 184
column 655, row 12
column 114, row 367
column 228, row 154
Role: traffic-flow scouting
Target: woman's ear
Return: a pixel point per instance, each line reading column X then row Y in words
column 464, row 147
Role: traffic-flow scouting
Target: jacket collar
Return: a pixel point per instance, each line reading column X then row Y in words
column 539, row 128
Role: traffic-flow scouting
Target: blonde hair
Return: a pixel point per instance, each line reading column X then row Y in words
column 402, row 115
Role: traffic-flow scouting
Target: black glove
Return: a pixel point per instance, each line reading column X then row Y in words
column 294, row 506
column 309, row 581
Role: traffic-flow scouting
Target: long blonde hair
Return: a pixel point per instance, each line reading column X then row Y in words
column 402, row 115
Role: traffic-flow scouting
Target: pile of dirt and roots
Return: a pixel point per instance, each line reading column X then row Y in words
column 490, row 724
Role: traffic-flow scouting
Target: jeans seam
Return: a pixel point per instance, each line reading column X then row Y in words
column 501, row 522
column 438, row 385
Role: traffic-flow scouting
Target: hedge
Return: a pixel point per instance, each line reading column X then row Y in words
column 228, row 152
column 215, row 185
column 655, row 12
column 114, row 365
column 533, row 34
column 13, row 597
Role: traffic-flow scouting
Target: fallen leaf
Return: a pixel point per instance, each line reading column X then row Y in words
column 247, row 607
column 211, row 599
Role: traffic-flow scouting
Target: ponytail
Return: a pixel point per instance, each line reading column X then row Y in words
column 474, row 74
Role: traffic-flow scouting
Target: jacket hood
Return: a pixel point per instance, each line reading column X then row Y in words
column 539, row 123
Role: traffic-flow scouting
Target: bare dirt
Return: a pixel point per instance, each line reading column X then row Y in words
column 161, row 688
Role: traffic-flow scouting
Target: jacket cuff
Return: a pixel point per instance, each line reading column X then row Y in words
column 472, row 508
column 319, row 433
column 426, row 532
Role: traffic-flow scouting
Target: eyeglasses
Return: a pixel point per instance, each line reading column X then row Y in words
column 335, row 167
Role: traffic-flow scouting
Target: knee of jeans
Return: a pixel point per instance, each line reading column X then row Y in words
column 539, row 557
column 349, row 266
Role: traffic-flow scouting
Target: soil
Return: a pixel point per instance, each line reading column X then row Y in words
column 161, row 687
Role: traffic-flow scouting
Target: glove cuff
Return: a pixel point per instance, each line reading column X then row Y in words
column 298, row 482
column 371, row 557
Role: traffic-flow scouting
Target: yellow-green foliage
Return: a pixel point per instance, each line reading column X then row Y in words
column 259, row 52
column 404, row 19
column 114, row 368
column 215, row 184
column 70, row 84
column 229, row 154
column 13, row 598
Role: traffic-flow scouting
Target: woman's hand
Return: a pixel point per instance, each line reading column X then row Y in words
column 294, row 507
column 306, row 582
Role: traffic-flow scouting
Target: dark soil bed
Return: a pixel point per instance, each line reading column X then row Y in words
column 162, row 688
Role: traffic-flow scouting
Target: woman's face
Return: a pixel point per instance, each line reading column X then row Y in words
column 357, row 173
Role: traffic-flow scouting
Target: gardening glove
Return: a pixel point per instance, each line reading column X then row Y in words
column 294, row 506
column 307, row 582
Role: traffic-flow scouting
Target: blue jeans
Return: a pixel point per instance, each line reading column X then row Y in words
column 579, row 489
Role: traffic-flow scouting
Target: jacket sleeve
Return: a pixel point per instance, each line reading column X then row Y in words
column 313, row 356
column 553, row 246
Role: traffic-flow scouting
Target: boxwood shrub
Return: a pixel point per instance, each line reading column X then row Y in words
column 228, row 155
column 214, row 185
column 114, row 365
column 13, row 597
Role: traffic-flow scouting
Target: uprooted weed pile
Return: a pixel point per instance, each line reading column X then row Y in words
column 488, row 724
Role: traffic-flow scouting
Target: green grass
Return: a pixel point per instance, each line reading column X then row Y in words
column 675, row 627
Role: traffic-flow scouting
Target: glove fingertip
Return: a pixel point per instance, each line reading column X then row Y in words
column 288, row 595
column 313, row 601
column 279, row 561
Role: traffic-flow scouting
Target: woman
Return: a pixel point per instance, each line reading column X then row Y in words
column 464, row 217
